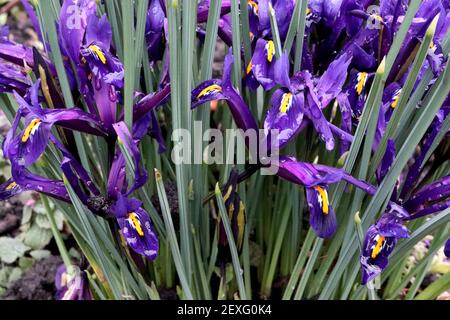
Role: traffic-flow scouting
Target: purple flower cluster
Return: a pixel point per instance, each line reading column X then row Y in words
column 99, row 73
column 345, row 42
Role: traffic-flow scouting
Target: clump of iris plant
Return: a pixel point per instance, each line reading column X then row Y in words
column 357, row 91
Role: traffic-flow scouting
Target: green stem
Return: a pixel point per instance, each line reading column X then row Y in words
column 56, row 234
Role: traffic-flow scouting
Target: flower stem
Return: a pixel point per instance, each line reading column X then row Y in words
column 56, row 234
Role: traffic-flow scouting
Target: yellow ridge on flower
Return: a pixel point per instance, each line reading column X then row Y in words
column 254, row 6
column 209, row 89
column 137, row 225
column 376, row 250
column 98, row 52
column 362, row 78
column 324, row 197
column 377, row 17
column 30, row 129
column 286, row 102
column 11, row 185
column 395, row 99
column 249, row 67
column 270, row 49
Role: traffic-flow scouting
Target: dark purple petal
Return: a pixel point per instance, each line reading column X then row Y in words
column 425, row 210
column 314, row 113
column 284, row 115
column 30, row 181
column 136, row 228
column 331, row 82
column 414, row 175
column 16, row 53
column 346, row 118
column 321, row 214
column 207, row 91
column 224, row 90
column 203, row 9
column 387, row 161
column 281, row 71
column 433, row 192
column 117, row 176
column 262, row 60
column 98, row 30
column 331, row 9
column 305, row 174
column 436, row 59
column 225, row 30
column 13, row 78
column 126, row 139
column 151, row 101
column 154, row 31
column 9, row 189
column 33, row 140
column 106, row 108
column 72, row 25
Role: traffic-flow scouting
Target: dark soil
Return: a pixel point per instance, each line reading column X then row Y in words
column 10, row 216
column 38, row 283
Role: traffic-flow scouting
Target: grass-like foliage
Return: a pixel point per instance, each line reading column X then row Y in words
column 348, row 172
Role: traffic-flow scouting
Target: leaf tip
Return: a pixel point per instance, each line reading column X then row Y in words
column 382, row 67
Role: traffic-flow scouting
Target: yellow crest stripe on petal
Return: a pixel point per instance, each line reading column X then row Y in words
column 324, row 196
column 29, row 129
column 209, row 89
column 137, row 225
column 377, row 249
column 98, row 52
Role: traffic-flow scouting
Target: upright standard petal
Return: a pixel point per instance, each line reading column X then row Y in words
column 72, row 25
column 126, row 140
column 331, row 82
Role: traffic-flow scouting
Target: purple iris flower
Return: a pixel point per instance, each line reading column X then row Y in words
column 16, row 53
column 132, row 219
column 223, row 90
column 154, row 31
column 87, row 40
column 357, row 90
column 288, row 104
column 72, row 285
column 321, row 214
column 380, row 241
column 430, row 198
column 302, row 95
column 27, row 146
